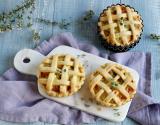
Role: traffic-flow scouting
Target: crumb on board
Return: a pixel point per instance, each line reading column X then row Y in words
column 99, row 108
column 86, row 105
column 82, row 98
column 97, row 103
column 78, row 56
column 81, row 56
column 90, row 99
column 115, row 109
column 117, row 113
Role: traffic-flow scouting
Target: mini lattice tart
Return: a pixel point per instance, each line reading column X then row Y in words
column 61, row 75
column 120, row 26
column 111, row 85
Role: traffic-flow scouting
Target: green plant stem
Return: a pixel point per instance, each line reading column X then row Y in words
column 155, row 36
column 15, row 18
column 63, row 24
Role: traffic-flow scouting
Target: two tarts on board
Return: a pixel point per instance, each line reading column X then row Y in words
column 63, row 75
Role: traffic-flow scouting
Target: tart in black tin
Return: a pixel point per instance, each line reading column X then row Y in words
column 120, row 26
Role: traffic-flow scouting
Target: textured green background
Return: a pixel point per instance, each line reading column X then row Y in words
column 12, row 42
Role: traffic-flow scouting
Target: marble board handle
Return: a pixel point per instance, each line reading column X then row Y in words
column 27, row 61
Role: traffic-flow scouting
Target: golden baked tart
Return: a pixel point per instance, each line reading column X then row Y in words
column 120, row 26
column 112, row 85
column 61, row 75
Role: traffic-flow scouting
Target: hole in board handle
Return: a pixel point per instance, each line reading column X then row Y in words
column 26, row 60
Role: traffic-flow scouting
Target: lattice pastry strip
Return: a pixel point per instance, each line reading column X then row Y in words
column 61, row 75
column 112, row 85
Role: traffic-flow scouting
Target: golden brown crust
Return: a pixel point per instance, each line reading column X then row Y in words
column 120, row 25
column 61, row 75
column 111, row 85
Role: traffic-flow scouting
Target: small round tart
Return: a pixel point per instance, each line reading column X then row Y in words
column 61, row 75
column 120, row 26
column 111, row 85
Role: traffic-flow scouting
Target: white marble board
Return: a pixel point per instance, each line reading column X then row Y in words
column 82, row 99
